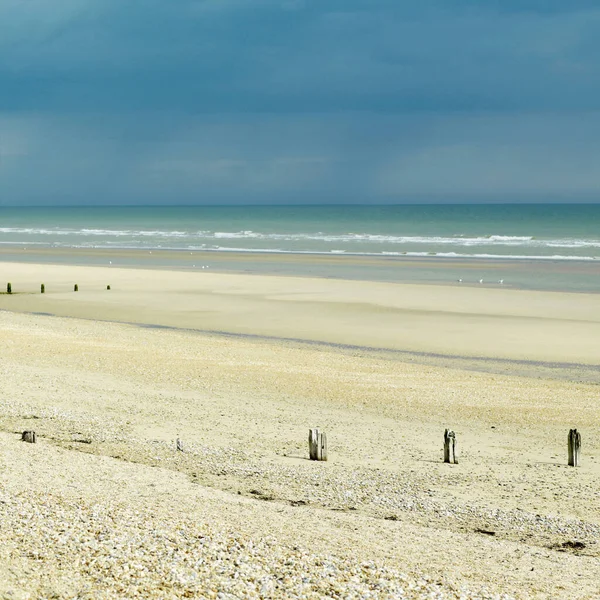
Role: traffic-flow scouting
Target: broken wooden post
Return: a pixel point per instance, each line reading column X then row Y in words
column 450, row 447
column 9, row 288
column 574, row 447
column 75, row 288
column 322, row 454
column 317, row 445
column 313, row 435
column 42, row 289
column 28, row 436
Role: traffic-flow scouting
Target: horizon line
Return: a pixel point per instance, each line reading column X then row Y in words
column 304, row 204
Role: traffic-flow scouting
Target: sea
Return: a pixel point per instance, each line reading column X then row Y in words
column 534, row 246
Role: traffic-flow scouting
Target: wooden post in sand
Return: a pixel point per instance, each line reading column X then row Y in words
column 574, row 447
column 9, row 288
column 42, row 289
column 28, row 436
column 75, row 288
column 450, row 447
column 313, row 435
column 108, row 287
column 317, row 445
column 322, row 455
column 179, row 445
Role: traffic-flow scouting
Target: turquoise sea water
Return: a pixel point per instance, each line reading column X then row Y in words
column 560, row 232
column 558, row 238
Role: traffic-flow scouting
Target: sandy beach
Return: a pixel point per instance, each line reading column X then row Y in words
column 239, row 367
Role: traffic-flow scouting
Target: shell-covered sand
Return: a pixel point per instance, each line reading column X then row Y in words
column 105, row 506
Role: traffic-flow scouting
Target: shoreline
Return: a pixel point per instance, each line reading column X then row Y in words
column 528, row 274
column 384, row 255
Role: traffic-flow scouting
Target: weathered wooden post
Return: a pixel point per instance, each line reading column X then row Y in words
column 317, row 445
column 574, row 447
column 322, row 453
column 28, row 436
column 179, row 445
column 450, row 447
column 75, row 288
column 9, row 288
column 313, row 435
column 42, row 289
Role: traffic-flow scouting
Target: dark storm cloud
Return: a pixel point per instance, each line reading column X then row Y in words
column 281, row 100
column 300, row 56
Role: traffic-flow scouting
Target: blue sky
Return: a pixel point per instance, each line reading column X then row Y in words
column 219, row 101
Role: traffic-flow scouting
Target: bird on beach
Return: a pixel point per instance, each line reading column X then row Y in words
column 460, row 281
column 501, row 281
column 481, row 281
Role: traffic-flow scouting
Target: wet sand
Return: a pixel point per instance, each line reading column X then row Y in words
column 449, row 320
column 576, row 276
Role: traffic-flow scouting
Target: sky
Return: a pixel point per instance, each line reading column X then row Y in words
column 294, row 101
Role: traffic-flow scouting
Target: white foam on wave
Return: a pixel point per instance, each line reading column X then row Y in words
column 102, row 232
column 350, row 243
column 407, row 254
column 480, row 255
column 23, row 243
column 34, row 231
column 395, row 254
column 510, row 238
column 363, row 238
column 338, row 238
column 123, row 245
